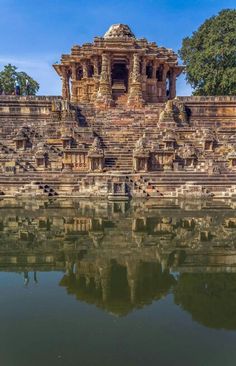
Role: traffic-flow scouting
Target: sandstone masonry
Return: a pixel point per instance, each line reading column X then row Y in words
column 118, row 131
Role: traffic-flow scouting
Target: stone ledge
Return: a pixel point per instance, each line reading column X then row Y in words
column 214, row 99
column 25, row 98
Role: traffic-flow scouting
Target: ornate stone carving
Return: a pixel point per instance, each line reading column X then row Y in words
column 118, row 41
column 182, row 114
column 140, row 145
column 189, row 156
column 96, row 155
column 141, row 155
column 56, row 105
column 135, row 94
column 166, row 118
column 104, row 95
column 187, row 151
column 96, row 148
column 41, row 156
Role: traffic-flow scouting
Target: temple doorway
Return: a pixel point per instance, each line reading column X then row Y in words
column 119, row 77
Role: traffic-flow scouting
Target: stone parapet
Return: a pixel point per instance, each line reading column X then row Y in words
column 208, row 99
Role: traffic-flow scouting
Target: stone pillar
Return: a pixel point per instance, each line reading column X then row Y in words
column 144, row 78
column 73, row 71
column 85, row 68
column 95, row 77
column 154, row 69
column 173, row 84
column 65, row 84
column 154, row 81
column 135, row 93
column 96, row 67
column 85, row 96
column 73, row 82
column 144, row 67
column 165, row 70
column 104, row 95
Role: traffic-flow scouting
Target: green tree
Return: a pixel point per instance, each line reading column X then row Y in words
column 10, row 77
column 210, row 56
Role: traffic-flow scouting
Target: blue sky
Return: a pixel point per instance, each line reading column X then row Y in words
column 34, row 33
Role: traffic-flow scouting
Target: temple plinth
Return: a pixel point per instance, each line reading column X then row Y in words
column 118, row 67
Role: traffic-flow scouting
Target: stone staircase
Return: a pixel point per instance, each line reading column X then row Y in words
column 119, row 128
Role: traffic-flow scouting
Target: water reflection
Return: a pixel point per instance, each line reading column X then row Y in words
column 209, row 298
column 118, row 287
column 123, row 256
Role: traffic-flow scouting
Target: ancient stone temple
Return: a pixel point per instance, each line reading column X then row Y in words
column 118, row 67
column 118, row 130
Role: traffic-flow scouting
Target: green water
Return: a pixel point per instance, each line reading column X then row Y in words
column 101, row 283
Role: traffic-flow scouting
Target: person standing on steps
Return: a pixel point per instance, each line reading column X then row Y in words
column 27, row 87
column 17, row 88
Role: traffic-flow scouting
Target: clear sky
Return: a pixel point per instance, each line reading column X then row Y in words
column 34, row 33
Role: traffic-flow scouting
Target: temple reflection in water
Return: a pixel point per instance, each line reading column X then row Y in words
column 123, row 256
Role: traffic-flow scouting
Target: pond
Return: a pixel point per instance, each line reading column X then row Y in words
column 125, row 283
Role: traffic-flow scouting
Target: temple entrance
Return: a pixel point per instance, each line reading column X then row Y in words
column 119, row 77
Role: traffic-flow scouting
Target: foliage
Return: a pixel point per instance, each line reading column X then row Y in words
column 10, row 77
column 210, row 56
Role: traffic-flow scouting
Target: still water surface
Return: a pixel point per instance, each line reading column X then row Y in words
column 101, row 284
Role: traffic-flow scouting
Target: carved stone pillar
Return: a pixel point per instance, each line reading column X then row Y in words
column 73, row 82
column 104, row 95
column 154, row 82
column 96, row 67
column 154, row 69
column 85, row 96
column 73, row 71
column 165, row 70
column 135, row 93
column 144, row 78
column 65, row 84
column 173, row 84
column 144, row 67
column 95, row 77
column 85, row 68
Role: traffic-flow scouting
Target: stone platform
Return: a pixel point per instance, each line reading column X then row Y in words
column 185, row 147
